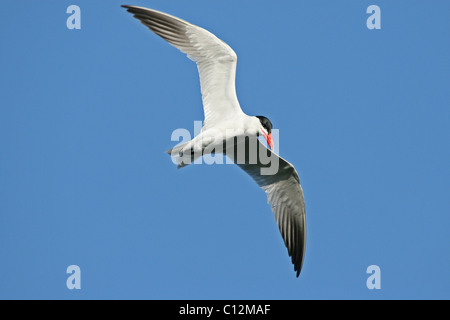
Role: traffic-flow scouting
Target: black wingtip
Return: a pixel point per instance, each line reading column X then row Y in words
column 298, row 265
column 298, row 268
column 128, row 7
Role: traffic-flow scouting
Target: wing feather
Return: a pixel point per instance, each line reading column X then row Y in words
column 216, row 61
column 285, row 195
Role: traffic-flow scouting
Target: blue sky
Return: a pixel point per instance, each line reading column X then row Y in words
column 86, row 115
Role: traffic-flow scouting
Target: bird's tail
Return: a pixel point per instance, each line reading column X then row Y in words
column 183, row 154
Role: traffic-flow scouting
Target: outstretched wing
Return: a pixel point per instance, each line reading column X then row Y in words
column 216, row 61
column 285, row 195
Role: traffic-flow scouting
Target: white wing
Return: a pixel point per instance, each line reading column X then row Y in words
column 285, row 195
column 216, row 61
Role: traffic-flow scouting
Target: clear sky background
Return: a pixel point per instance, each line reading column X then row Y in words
column 86, row 115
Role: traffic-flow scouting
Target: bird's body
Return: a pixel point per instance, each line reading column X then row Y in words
column 216, row 139
column 227, row 127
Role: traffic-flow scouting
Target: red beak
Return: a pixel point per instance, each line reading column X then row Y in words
column 269, row 140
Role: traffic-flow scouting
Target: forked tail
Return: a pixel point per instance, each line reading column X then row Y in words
column 183, row 154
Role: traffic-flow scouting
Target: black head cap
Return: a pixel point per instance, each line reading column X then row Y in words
column 265, row 123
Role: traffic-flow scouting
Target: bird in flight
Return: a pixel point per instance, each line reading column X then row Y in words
column 226, row 123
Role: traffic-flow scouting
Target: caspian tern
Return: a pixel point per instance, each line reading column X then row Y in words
column 216, row 63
